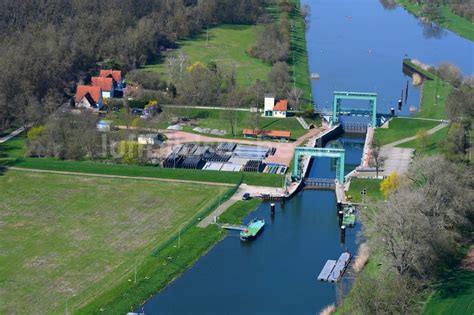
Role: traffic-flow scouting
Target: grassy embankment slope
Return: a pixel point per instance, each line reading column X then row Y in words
column 432, row 104
column 400, row 128
column 447, row 19
column 67, row 237
column 299, row 54
column 13, row 151
column 227, row 46
column 371, row 185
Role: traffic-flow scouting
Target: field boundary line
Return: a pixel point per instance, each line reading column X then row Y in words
column 171, row 180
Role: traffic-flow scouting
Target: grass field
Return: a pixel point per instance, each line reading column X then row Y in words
column 433, row 142
column 453, row 295
column 448, row 19
column 239, row 210
column 433, row 99
column 358, row 184
column 400, row 128
column 227, row 46
column 12, row 154
column 300, row 66
column 211, row 118
column 74, row 237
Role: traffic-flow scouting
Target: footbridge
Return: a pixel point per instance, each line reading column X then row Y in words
column 320, row 183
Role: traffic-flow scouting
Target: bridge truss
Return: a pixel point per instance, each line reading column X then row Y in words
column 338, row 110
column 338, row 154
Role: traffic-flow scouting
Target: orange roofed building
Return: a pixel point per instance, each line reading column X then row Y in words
column 267, row 134
column 116, row 75
column 89, row 97
column 275, row 108
column 106, row 85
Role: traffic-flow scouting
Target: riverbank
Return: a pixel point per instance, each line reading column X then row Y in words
column 447, row 19
column 167, row 263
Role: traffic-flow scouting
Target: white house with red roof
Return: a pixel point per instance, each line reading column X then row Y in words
column 89, row 97
column 106, row 85
column 116, row 76
column 274, row 107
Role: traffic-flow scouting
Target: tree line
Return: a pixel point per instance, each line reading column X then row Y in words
column 46, row 46
column 416, row 235
column 419, row 232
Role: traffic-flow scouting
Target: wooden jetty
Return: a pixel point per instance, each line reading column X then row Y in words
column 228, row 226
column 327, row 269
column 340, row 267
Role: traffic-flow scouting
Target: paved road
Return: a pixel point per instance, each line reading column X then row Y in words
column 254, row 191
column 13, row 134
column 431, row 131
column 427, row 119
column 399, row 159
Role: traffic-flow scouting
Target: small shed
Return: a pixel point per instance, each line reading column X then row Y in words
column 267, row 134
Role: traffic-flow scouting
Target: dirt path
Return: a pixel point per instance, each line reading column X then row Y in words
column 121, row 177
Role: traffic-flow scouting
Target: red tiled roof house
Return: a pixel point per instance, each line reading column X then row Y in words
column 89, row 97
column 275, row 108
column 106, row 85
column 116, row 75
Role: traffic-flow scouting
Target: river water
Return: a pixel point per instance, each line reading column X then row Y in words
column 355, row 45
column 359, row 45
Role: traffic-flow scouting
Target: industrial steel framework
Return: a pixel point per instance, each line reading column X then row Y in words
column 371, row 112
column 321, row 152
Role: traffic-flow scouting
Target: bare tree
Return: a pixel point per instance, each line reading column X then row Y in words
column 176, row 66
column 229, row 113
column 437, row 197
column 376, row 160
column 294, row 97
column 450, row 73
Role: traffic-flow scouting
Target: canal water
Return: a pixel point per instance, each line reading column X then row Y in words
column 355, row 45
column 276, row 273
